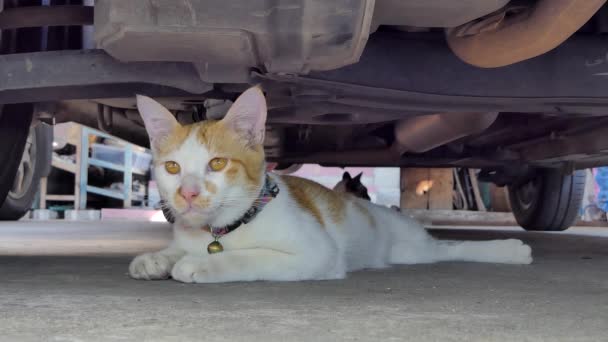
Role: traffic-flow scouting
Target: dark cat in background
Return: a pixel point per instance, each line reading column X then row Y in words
column 352, row 185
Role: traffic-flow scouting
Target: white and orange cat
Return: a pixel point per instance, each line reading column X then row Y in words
column 212, row 175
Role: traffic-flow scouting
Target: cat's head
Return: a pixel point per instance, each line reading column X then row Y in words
column 208, row 173
column 352, row 185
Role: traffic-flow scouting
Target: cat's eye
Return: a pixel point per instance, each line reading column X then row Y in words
column 218, row 164
column 172, row 167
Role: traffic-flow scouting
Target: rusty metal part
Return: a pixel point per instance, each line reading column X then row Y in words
column 423, row 133
column 38, row 16
column 575, row 145
column 528, row 33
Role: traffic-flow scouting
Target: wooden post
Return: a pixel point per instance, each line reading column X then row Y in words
column 43, row 185
column 438, row 197
column 441, row 194
column 127, row 177
column 409, row 180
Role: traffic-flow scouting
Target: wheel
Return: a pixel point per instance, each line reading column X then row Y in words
column 26, row 151
column 26, row 181
column 15, row 122
column 550, row 201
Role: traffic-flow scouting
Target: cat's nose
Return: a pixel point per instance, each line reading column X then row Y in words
column 189, row 194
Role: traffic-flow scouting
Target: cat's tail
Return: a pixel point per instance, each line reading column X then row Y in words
column 511, row 251
column 411, row 244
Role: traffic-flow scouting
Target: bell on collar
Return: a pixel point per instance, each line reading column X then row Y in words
column 215, row 247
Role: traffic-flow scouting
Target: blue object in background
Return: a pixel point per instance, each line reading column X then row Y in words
column 601, row 179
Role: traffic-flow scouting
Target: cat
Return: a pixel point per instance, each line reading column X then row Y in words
column 278, row 228
column 352, row 185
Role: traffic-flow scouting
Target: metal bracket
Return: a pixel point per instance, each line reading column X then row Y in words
column 105, row 118
column 506, row 175
column 85, row 74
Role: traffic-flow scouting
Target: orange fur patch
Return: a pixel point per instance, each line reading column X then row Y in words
column 202, row 202
column 308, row 193
column 226, row 144
column 232, row 172
column 211, row 187
column 221, row 142
column 174, row 140
column 364, row 211
column 179, row 201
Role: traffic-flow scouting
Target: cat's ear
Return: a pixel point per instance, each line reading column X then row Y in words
column 346, row 176
column 158, row 120
column 358, row 177
column 247, row 116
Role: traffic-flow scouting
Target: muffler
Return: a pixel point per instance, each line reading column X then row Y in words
column 519, row 33
column 423, row 133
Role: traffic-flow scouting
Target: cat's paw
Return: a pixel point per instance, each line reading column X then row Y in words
column 191, row 269
column 150, row 266
column 514, row 251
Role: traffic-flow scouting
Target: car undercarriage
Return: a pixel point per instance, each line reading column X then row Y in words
column 507, row 87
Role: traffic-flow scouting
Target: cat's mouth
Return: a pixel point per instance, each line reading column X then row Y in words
column 192, row 210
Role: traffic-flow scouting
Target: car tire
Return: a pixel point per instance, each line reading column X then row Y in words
column 550, row 201
column 23, row 150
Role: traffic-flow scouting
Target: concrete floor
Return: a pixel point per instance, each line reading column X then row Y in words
column 68, row 282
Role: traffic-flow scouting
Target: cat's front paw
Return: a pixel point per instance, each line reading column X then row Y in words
column 191, row 269
column 150, row 266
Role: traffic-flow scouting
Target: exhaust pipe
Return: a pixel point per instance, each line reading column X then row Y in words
column 501, row 40
column 423, row 133
column 418, row 134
